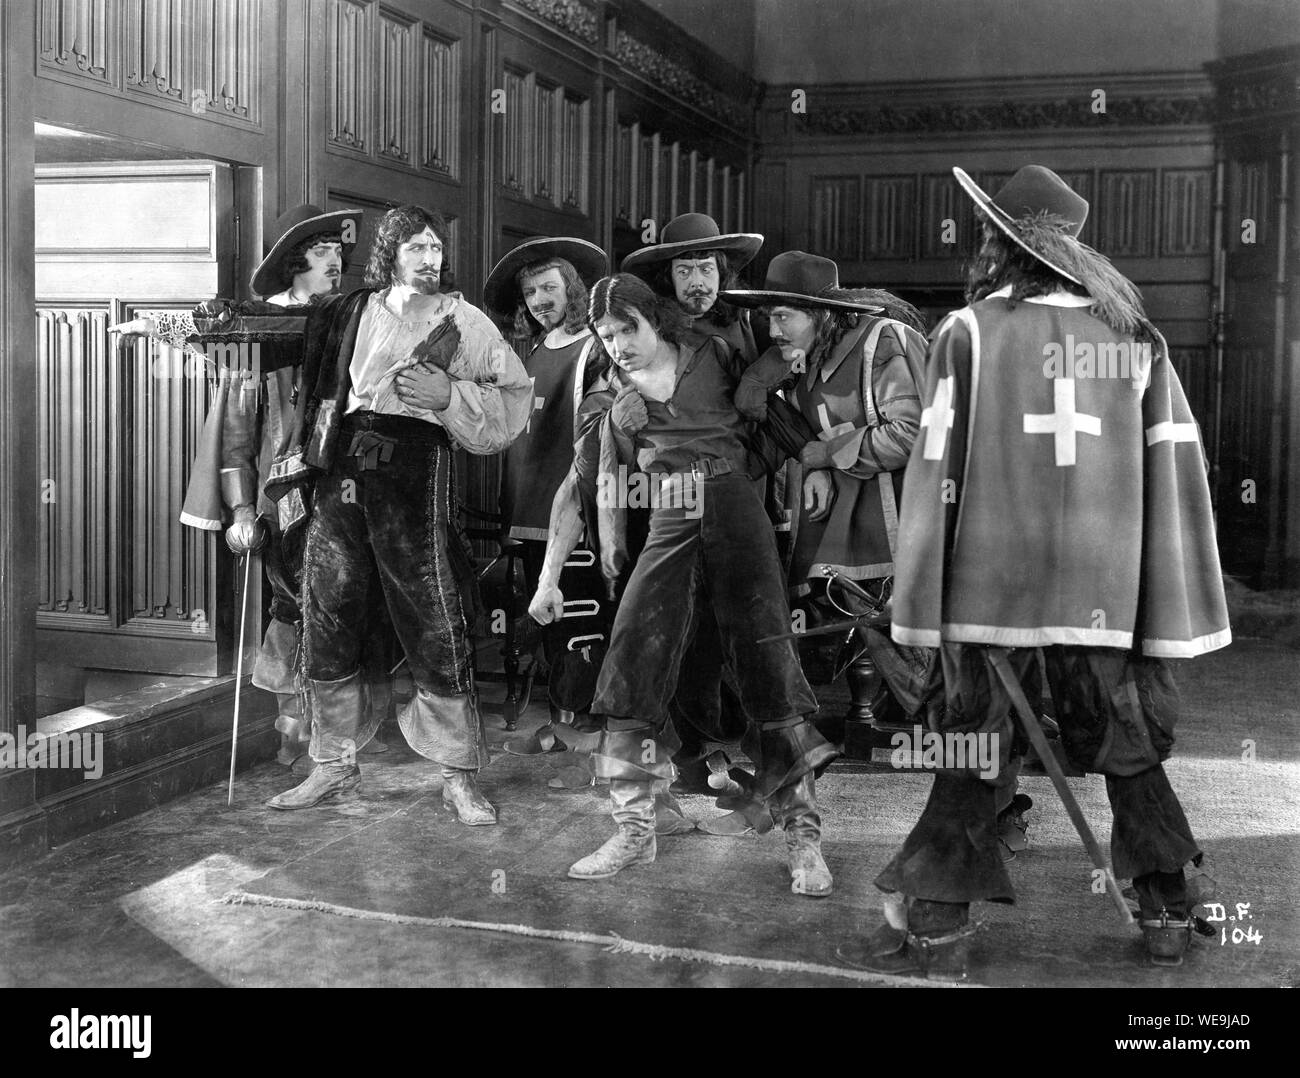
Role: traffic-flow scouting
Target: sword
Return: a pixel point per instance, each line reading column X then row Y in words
column 834, row 576
column 998, row 657
column 239, row 677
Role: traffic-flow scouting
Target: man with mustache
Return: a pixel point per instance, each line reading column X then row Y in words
column 851, row 361
column 248, row 425
column 539, row 289
column 690, row 265
column 395, row 375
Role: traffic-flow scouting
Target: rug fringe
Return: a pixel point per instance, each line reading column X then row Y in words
column 609, row 941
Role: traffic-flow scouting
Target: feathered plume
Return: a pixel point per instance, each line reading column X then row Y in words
column 896, row 308
column 1116, row 300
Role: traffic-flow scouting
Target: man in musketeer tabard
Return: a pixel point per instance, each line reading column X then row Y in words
column 538, row 290
column 395, row 375
column 1081, row 525
column 256, row 347
column 851, row 361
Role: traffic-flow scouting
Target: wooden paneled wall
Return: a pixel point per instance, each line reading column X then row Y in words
column 513, row 118
column 864, row 176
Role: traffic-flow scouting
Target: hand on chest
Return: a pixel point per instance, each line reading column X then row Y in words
column 654, row 385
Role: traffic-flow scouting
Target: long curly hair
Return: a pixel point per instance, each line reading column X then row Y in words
column 630, row 299
column 575, row 307
column 1000, row 262
column 722, row 312
column 396, row 227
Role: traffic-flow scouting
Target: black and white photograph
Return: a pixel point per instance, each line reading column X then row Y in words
column 650, row 494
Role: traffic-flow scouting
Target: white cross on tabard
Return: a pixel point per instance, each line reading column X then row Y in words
column 830, row 430
column 538, row 404
column 937, row 419
column 1064, row 423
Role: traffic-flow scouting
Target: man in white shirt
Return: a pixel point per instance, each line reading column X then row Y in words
column 395, row 376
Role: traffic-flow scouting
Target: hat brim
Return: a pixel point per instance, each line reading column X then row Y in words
column 762, row 297
column 1004, row 222
column 499, row 297
column 740, row 248
column 266, row 281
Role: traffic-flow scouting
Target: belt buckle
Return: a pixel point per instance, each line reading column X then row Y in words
column 702, row 469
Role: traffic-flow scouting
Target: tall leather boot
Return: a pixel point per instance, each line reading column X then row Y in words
column 634, row 843
column 295, row 731
column 461, row 794
column 795, row 808
column 790, row 754
column 636, row 764
column 336, row 708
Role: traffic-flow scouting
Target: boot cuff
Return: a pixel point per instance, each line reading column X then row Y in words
column 636, row 755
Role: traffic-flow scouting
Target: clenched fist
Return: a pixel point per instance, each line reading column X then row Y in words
column 628, row 412
column 247, row 534
column 547, row 605
column 818, row 494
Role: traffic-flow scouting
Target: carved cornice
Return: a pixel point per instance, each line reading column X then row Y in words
column 1276, row 93
column 1070, row 112
column 572, row 16
column 673, row 78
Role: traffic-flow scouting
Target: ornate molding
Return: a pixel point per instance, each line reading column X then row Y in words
column 1008, row 116
column 672, row 77
column 572, row 16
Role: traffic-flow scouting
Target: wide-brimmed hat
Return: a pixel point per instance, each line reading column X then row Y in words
column 291, row 228
column 1031, row 192
column 693, row 232
column 800, row 279
column 499, row 291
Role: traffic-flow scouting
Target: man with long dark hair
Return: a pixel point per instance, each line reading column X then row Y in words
column 851, row 361
column 395, row 375
column 1056, row 500
column 668, row 431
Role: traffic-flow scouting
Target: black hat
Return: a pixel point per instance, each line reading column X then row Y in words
column 291, row 228
column 587, row 259
column 1032, row 191
column 800, row 279
column 693, row 232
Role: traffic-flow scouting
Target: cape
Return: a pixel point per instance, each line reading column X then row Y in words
column 1057, row 492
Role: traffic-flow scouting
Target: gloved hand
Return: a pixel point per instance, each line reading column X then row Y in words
column 247, row 535
column 628, row 413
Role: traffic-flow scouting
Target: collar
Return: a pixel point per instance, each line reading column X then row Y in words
column 1059, row 298
column 847, row 344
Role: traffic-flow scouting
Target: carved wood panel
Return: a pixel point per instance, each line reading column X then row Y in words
column 947, row 218
column 542, row 145
column 835, row 218
column 77, row 37
column 76, row 390
column 203, row 56
column 1248, row 192
column 575, row 152
column 515, row 159
column 1126, row 227
column 890, row 216
column 165, row 401
column 626, row 143
column 1185, row 220
column 397, row 77
column 351, row 83
column 442, row 105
